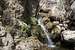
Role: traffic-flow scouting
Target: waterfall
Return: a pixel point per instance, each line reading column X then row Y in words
column 40, row 22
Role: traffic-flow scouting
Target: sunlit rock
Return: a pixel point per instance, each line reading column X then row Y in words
column 68, row 35
column 30, row 43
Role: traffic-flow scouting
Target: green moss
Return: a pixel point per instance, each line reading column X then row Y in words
column 24, row 27
column 33, row 20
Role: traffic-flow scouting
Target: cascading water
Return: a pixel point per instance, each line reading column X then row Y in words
column 40, row 22
column 57, row 10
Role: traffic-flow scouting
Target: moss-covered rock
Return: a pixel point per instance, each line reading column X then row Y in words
column 33, row 20
column 23, row 26
column 49, row 25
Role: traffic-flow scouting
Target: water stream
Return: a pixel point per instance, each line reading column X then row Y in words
column 40, row 22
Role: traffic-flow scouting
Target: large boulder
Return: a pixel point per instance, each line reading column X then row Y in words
column 69, row 35
column 6, row 42
column 30, row 43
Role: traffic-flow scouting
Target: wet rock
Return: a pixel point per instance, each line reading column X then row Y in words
column 55, row 22
column 45, row 48
column 30, row 43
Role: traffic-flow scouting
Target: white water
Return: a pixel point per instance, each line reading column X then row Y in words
column 40, row 22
